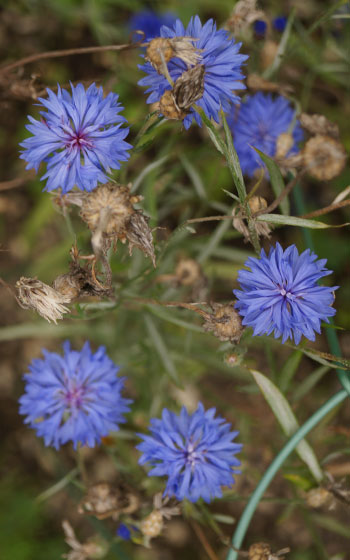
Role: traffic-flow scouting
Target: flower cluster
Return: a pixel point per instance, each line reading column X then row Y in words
column 260, row 121
column 75, row 397
column 78, row 136
column 221, row 61
column 195, row 451
column 280, row 294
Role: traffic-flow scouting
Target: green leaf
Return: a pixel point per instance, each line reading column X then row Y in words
column 289, row 369
column 291, row 221
column 233, row 161
column 276, row 179
column 285, row 416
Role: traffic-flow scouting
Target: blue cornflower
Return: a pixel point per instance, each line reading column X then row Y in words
column 222, row 68
column 79, row 137
column 195, row 451
column 75, row 397
column 261, row 119
column 260, row 27
column 150, row 23
column 280, row 23
column 280, row 294
column 123, row 532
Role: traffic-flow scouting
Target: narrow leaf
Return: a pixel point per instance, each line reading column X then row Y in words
column 233, row 161
column 276, row 179
column 285, row 416
column 161, row 349
column 291, row 221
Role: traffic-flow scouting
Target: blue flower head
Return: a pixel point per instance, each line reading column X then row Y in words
column 123, row 532
column 78, row 136
column 261, row 119
column 219, row 54
column 280, row 23
column 280, row 294
column 195, row 451
column 75, row 397
column 150, row 23
column 260, row 27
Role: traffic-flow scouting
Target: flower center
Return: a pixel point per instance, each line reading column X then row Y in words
column 74, row 397
column 190, row 454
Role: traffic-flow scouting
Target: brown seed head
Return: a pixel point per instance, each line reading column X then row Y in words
column 67, row 285
column 188, row 272
column 324, row 157
column 168, row 107
column 259, row 551
column 109, row 209
column 318, row 124
column 244, row 13
column 153, row 524
column 318, row 497
column 189, row 87
column 160, row 50
column 224, row 322
column 102, row 500
column 34, row 294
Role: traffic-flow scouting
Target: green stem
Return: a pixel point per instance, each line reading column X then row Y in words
column 248, row 513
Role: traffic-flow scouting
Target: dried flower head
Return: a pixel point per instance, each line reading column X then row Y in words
column 94, row 548
column 168, row 107
column 244, row 14
column 102, row 500
column 109, row 208
column 216, row 51
column 152, row 525
column 318, row 497
column 188, row 88
column 263, row 229
column 139, row 235
column 262, row 551
column 188, row 272
column 284, row 144
column 161, row 49
column 47, row 301
column 319, row 124
column 225, row 322
column 324, row 157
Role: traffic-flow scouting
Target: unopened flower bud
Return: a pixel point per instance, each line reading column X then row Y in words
column 153, row 524
column 224, row 322
column 160, row 50
column 34, row 294
column 324, row 157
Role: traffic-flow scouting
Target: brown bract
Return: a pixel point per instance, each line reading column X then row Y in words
column 224, row 322
column 263, row 229
column 38, row 296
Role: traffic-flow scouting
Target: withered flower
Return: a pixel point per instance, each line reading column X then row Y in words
column 139, row 235
column 92, row 549
column 244, row 14
column 324, row 157
column 47, row 301
column 224, row 322
column 188, row 88
column 262, row 551
column 152, row 525
column 168, row 107
column 102, row 500
column 188, row 272
column 318, row 124
column 161, row 49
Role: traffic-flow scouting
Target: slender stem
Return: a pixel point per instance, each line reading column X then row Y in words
column 248, row 513
column 66, row 52
column 81, row 465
